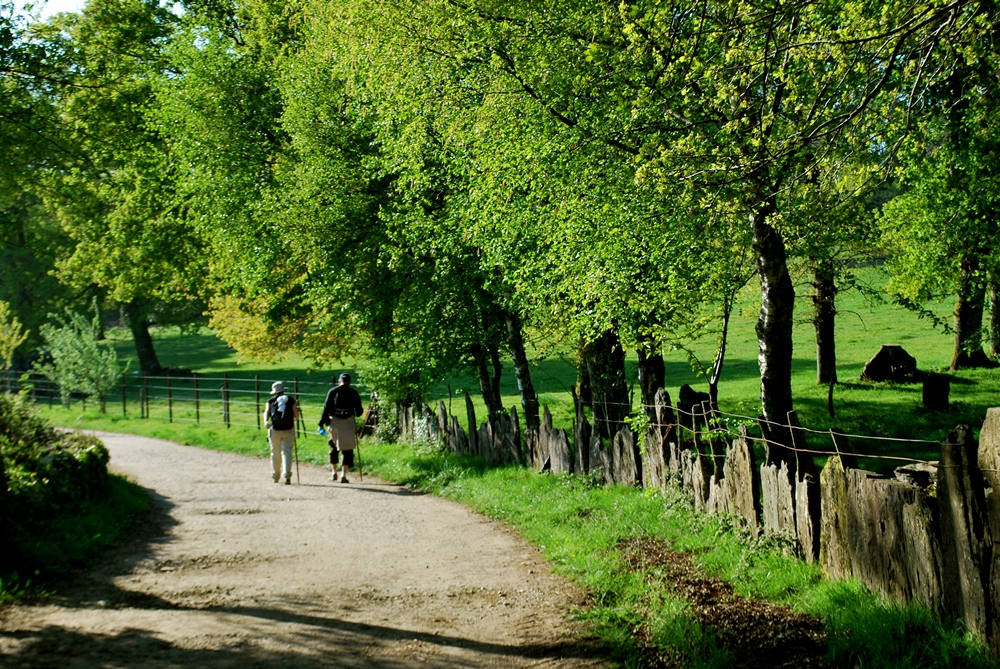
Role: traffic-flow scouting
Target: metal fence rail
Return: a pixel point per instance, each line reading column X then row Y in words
column 227, row 400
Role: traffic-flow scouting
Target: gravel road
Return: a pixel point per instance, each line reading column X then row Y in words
column 237, row 571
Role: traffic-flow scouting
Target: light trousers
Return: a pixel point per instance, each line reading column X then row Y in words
column 282, row 444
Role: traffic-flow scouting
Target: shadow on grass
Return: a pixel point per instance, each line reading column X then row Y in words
column 432, row 471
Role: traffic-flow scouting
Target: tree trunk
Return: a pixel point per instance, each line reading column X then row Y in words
column 605, row 362
column 824, row 294
column 522, row 371
column 720, row 355
column 968, row 350
column 584, row 389
column 489, row 384
column 774, row 325
column 994, row 315
column 144, row 350
column 652, row 376
column 98, row 311
column 497, row 366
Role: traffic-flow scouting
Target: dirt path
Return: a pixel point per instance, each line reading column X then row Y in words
column 246, row 573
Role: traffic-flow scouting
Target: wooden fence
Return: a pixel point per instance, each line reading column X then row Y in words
column 925, row 536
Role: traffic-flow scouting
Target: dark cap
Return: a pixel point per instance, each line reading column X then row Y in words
column 345, row 378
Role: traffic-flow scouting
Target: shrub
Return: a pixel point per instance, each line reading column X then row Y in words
column 387, row 428
column 48, row 474
column 20, row 424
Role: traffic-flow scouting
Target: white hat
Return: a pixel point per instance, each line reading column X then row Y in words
column 277, row 387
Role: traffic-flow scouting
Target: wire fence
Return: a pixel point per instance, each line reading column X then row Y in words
column 705, row 423
column 240, row 401
column 226, row 400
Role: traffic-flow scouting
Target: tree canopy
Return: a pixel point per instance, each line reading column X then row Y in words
column 428, row 183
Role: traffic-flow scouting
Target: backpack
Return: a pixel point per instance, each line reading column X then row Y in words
column 342, row 405
column 282, row 412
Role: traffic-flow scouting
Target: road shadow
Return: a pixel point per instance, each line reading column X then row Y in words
column 316, row 640
column 102, row 622
column 380, row 488
column 93, row 581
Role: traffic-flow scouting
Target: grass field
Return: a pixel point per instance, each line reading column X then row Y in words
column 865, row 409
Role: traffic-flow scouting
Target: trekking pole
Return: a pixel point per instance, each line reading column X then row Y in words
column 357, row 447
column 295, row 446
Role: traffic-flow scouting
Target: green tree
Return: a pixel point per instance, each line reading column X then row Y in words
column 32, row 75
column 552, row 224
column 79, row 363
column 120, row 203
column 337, row 245
column 33, row 140
column 942, row 231
column 221, row 119
column 12, row 334
column 722, row 107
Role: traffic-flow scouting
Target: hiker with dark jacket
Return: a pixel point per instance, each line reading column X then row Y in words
column 279, row 416
column 342, row 406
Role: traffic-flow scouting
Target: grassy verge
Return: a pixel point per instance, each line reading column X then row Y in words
column 243, row 439
column 580, row 527
column 68, row 542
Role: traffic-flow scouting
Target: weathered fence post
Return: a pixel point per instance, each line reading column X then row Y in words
column 656, row 447
column 295, row 389
column 989, row 465
column 144, row 398
column 777, row 481
column 743, row 480
column 256, row 395
column 966, row 545
column 807, row 493
column 124, row 404
column 170, row 401
column 225, row 399
column 197, row 403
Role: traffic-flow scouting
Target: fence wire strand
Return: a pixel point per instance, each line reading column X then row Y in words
column 230, row 397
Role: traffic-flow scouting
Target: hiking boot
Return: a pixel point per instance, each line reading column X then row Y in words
column 343, row 479
column 288, row 480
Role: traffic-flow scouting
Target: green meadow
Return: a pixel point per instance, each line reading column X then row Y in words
column 863, row 409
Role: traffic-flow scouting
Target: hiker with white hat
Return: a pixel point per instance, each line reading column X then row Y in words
column 279, row 416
